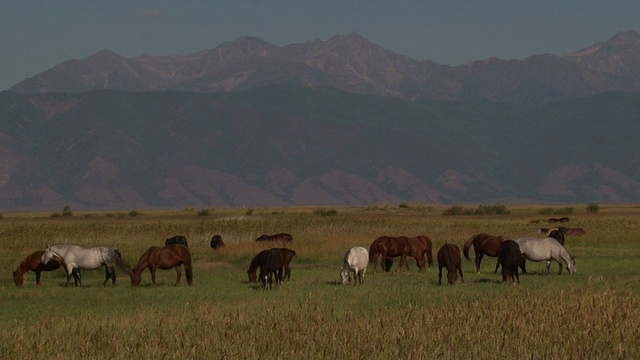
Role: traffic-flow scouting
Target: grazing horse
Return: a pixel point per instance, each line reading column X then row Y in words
column 288, row 254
column 510, row 257
column 164, row 258
column 483, row 244
column 34, row 263
column 271, row 263
column 547, row 249
column 577, row 231
column 389, row 247
column 76, row 258
column 178, row 239
column 216, row 242
column 449, row 258
column 284, row 237
column 356, row 261
column 420, row 249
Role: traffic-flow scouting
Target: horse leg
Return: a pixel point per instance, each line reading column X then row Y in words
column 479, row 256
column 77, row 277
column 523, row 265
column 152, row 269
column 37, row 277
column 546, row 272
column 497, row 266
column 560, row 265
column 460, row 271
column 178, row 274
column 440, row 275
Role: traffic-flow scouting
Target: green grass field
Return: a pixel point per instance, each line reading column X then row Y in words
column 591, row 314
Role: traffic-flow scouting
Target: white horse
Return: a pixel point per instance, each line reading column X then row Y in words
column 356, row 261
column 546, row 249
column 76, row 258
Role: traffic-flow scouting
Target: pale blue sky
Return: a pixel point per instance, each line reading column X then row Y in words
column 37, row 35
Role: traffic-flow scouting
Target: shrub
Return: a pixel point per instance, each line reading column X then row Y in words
column 134, row 213
column 454, row 210
column 203, row 212
column 326, row 212
column 249, row 211
column 593, row 208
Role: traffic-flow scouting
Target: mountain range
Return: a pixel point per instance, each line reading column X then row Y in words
column 336, row 122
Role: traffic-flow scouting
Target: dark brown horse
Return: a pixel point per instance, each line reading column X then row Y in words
column 288, row 255
column 273, row 263
column 33, row 262
column 164, row 258
column 449, row 258
column 282, row 237
column 388, row 247
column 556, row 234
column 178, row 239
column 510, row 257
column 483, row 244
column 216, row 242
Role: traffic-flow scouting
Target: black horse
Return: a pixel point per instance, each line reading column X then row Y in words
column 216, row 242
column 510, row 257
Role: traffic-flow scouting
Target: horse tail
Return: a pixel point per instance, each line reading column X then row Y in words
column 121, row 263
column 467, row 245
column 373, row 253
column 189, row 272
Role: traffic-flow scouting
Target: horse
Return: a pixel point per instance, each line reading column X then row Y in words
column 389, row 247
column 288, row 254
column 510, row 257
column 34, row 263
column 577, row 231
column 483, row 244
column 178, row 239
column 216, row 242
column 271, row 263
column 164, row 258
column 449, row 257
column 556, row 234
column 356, row 261
column 284, row 237
column 420, row 248
column 76, row 258
column 546, row 249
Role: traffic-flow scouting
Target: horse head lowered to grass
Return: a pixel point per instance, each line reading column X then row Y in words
column 164, row 258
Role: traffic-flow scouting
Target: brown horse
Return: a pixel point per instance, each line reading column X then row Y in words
column 556, row 234
column 283, row 237
column 510, row 257
column 178, row 239
column 483, row 244
column 34, row 263
column 389, row 247
column 577, row 231
column 449, row 258
column 420, row 249
column 172, row 256
column 288, row 255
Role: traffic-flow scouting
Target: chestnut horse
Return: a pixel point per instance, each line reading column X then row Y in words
column 421, row 247
column 449, row 258
column 510, row 257
column 34, row 263
column 172, row 256
column 259, row 258
column 483, row 244
column 389, row 247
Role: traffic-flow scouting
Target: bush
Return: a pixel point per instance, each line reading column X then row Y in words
column 593, row 208
column 249, row 211
column 326, row 212
column 203, row 212
column 134, row 213
column 454, row 210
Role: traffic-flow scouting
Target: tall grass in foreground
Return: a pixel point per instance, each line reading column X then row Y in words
column 592, row 314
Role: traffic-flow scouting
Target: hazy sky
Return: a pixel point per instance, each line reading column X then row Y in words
column 37, row 35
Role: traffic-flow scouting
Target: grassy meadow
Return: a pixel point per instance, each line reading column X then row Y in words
column 594, row 313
